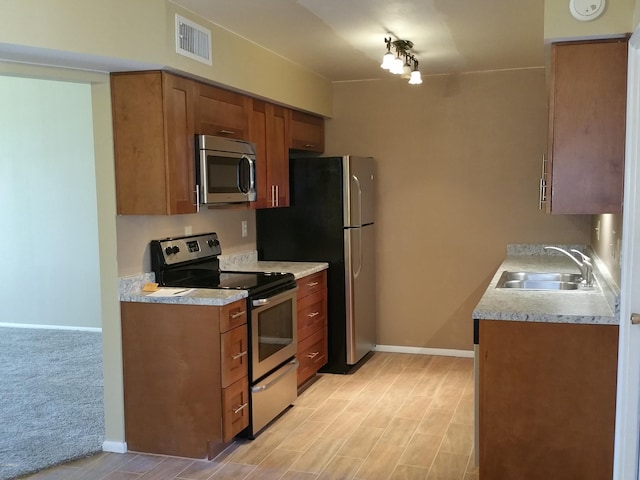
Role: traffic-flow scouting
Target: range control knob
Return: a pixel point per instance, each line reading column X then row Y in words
column 172, row 250
column 213, row 242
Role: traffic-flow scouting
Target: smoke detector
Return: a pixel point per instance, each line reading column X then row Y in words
column 586, row 10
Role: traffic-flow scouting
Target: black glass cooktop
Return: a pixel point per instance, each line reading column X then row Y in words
column 254, row 282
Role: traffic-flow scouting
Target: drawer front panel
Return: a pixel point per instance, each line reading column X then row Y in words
column 233, row 315
column 312, row 314
column 235, row 408
column 234, row 355
column 312, row 283
column 312, row 354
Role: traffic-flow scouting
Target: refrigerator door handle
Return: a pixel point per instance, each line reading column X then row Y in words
column 359, row 224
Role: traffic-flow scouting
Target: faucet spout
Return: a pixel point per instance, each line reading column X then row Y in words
column 586, row 267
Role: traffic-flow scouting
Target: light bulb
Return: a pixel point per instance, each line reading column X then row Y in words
column 387, row 61
column 416, row 78
column 398, row 66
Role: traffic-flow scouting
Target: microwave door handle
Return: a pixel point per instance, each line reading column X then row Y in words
column 245, row 182
column 252, row 174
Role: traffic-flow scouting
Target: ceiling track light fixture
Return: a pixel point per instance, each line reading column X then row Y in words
column 403, row 62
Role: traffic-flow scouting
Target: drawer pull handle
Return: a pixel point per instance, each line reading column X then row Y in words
column 226, row 132
column 312, row 284
column 239, row 314
column 313, row 314
column 238, row 355
column 309, row 145
column 240, row 408
column 313, row 355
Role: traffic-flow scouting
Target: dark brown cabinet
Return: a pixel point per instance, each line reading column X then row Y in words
column 269, row 130
column 153, row 141
column 547, row 400
column 307, row 132
column 312, row 325
column 185, row 377
column 584, row 169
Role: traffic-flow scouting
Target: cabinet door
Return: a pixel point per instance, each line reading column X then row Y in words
column 269, row 132
column 587, row 127
column 221, row 112
column 153, row 143
column 234, row 355
column 307, row 132
column 178, row 118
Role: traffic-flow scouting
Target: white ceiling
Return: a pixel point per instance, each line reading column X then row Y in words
column 343, row 40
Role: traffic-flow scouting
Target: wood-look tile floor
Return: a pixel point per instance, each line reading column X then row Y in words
column 400, row 416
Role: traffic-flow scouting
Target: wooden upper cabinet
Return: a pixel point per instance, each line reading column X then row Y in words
column 587, row 104
column 269, row 130
column 221, row 112
column 153, row 141
column 306, row 132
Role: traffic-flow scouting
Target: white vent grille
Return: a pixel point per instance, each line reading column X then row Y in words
column 192, row 40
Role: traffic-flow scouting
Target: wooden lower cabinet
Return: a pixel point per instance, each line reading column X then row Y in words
column 547, row 398
column 185, row 377
column 312, row 325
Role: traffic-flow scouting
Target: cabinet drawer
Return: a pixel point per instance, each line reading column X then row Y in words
column 311, row 283
column 312, row 314
column 233, row 315
column 235, row 409
column 233, row 355
column 312, row 354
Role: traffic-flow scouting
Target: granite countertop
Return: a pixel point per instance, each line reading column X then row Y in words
column 585, row 306
column 131, row 286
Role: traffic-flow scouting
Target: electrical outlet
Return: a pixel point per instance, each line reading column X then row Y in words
column 244, row 228
column 598, row 231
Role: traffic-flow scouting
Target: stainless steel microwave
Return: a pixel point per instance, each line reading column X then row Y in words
column 225, row 170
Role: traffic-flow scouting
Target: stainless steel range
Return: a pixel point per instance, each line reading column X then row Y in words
column 193, row 262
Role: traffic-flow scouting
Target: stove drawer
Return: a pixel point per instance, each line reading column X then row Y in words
column 234, row 356
column 312, row 354
column 235, row 409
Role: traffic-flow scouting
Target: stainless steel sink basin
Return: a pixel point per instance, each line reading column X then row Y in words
column 539, row 281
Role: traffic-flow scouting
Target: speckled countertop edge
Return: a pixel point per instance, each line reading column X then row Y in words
column 130, row 288
column 598, row 306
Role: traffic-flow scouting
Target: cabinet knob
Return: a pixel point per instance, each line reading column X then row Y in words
column 635, row 318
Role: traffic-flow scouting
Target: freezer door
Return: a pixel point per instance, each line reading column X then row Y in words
column 360, row 291
column 359, row 190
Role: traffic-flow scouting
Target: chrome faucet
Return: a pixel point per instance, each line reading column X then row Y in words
column 586, row 267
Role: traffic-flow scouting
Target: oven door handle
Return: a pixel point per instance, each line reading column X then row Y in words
column 293, row 364
column 260, row 302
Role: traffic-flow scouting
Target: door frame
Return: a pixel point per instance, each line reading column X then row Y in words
column 627, row 437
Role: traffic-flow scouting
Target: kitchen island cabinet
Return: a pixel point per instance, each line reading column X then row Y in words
column 312, row 325
column 185, row 377
column 153, row 140
column 547, row 395
column 584, row 170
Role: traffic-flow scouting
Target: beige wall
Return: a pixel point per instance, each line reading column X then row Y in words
column 124, row 34
column 135, row 233
column 618, row 18
column 458, row 168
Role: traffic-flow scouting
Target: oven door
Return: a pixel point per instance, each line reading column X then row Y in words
column 273, row 332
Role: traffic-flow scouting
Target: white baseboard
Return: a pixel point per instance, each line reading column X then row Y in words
column 114, row 447
column 50, row 327
column 445, row 352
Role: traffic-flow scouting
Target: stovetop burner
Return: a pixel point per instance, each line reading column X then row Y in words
column 192, row 262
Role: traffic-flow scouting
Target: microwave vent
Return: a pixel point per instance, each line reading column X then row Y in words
column 193, row 40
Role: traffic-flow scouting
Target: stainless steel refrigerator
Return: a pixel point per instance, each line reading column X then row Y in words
column 331, row 219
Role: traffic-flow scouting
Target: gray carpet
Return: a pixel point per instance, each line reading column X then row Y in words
column 51, row 398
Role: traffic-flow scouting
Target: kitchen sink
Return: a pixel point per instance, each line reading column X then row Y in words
column 540, row 281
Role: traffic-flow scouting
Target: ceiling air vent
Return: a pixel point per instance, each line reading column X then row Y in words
column 192, row 40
